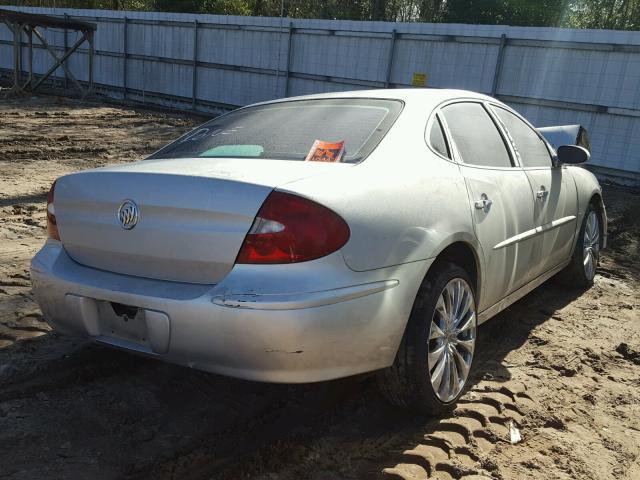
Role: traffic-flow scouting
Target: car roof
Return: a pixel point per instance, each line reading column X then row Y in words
column 407, row 95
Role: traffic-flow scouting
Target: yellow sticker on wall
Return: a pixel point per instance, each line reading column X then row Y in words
column 419, row 80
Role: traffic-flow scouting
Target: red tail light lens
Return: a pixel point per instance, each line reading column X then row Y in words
column 52, row 226
column 290, row 229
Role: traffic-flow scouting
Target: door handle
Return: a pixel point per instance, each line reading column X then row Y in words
column 542, row 193
column 484, row 203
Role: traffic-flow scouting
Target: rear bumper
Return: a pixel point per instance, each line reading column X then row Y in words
column 267, row 323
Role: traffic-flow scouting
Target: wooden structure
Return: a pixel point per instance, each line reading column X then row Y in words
column 31, row 24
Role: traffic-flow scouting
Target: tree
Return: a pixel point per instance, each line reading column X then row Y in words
column 431, row 10
column 507, row 12
column 610, row 14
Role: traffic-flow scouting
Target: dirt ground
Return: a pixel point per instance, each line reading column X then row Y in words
column 561, row 366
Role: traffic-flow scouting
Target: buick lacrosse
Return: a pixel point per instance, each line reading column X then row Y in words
column 318, row 237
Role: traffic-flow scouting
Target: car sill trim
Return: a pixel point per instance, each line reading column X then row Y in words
column 518, row 294
column 295, row 301
column 534, row 231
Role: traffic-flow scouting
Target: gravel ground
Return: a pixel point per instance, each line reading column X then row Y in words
column 561, row 366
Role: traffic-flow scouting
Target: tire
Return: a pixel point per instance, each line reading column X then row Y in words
column 582, row 268
column 408, row 382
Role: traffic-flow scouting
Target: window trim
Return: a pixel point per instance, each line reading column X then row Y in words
column 507, row 135
column 457, row 158
column 436, row 117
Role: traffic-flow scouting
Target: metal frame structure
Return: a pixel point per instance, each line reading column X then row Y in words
column 29, row 24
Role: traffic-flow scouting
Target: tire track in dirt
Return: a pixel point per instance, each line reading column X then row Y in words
column 460, row 445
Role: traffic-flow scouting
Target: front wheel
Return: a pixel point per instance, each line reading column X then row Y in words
column 434, row 360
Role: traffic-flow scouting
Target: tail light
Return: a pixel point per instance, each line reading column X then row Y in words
column 291, row 229
column 52, row 226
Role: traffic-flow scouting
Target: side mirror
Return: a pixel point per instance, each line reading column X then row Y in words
column 573, row 154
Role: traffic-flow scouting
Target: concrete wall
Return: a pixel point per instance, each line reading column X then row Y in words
column 211, row 63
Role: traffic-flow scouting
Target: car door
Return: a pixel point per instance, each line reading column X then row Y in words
column 554, row 192
column 500, row 199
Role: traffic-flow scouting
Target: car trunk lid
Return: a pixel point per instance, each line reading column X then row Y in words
column 193, row 214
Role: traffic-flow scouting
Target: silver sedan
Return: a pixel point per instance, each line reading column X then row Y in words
column 319, row 237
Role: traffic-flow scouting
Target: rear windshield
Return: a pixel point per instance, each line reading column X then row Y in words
column 340, row 130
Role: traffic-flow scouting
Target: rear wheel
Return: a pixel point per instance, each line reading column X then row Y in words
column 582, row 269
column 434, row 360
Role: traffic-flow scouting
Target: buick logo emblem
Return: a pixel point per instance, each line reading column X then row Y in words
column 128, row 214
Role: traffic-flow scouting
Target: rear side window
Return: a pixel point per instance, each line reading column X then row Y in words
column 288, row 130
column 529, row 147
column 475, row 135
column 437, row 140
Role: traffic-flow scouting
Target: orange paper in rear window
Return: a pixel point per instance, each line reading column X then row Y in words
column 326, row 152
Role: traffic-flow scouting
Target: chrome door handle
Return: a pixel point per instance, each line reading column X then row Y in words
column 484, row 203
column 542, row 193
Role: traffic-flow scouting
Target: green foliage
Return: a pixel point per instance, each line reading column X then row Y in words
column 222, row 7
column 610, row 14
column 139, row 5
column 508, row 12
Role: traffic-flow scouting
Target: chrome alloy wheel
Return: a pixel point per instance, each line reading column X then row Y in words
column 452, row 338
column 591, row 245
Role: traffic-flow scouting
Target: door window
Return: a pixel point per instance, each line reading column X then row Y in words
column 528, row 145
column 476, row 136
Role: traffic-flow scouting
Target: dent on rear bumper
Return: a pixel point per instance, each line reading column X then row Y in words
column 292, row 323
column 294, row 301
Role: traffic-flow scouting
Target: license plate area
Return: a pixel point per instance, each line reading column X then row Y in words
column 125, row 322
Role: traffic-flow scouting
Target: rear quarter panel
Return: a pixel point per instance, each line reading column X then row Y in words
column 587, row 186
column 403, row 204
